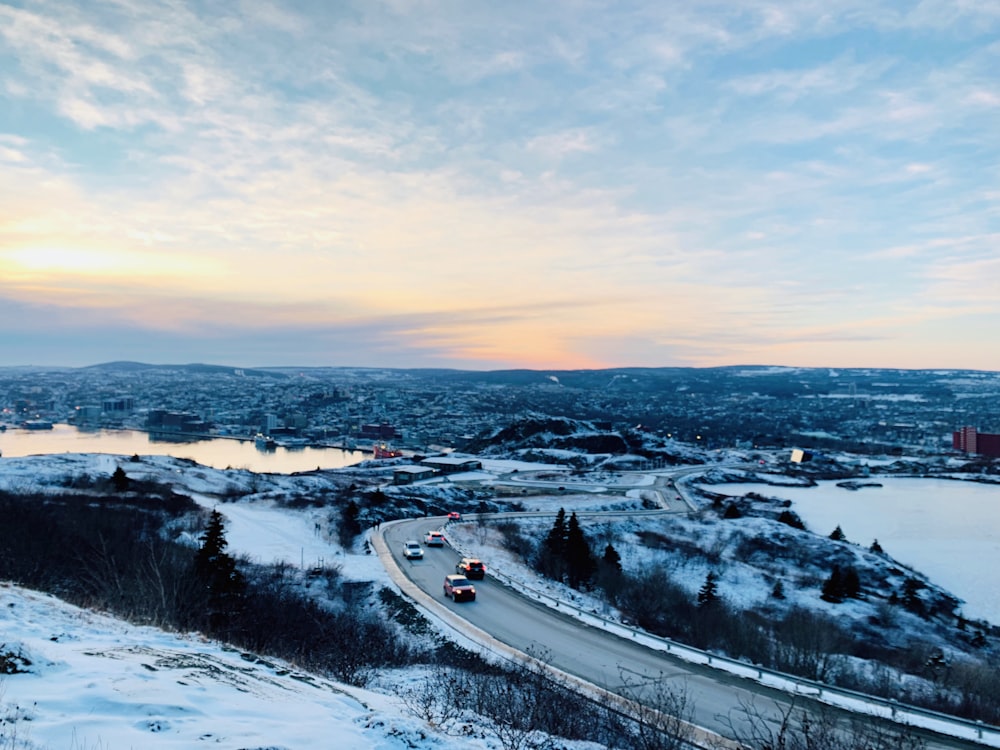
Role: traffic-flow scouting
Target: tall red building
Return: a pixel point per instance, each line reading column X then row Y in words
column 970, row 440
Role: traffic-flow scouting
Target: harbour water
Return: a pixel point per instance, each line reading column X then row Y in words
column 218, row 453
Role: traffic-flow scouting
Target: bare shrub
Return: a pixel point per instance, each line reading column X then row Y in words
column 792, row 727
column 661, row 711
column 979, row 689
column 808, row 644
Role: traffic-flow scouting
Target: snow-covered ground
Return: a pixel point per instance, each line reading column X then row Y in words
column 946, row 529
column 95, row 682
column 92, row 682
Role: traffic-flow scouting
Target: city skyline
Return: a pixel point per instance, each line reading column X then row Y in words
column 574, row 185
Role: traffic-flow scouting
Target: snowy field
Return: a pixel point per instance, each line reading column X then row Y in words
column 100, row 684
column 948, row 530
column 97, row 683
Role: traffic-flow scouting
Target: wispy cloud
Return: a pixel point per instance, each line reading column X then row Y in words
column 587, row 183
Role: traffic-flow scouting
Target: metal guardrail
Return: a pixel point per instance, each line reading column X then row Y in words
column 851, row 700
column 699, row 738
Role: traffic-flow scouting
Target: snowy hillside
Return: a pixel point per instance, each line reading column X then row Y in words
column 91, row 681
column 85, row 681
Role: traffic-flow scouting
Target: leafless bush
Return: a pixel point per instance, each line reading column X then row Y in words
column 978, row 686
column 792, row 727
column 13, row 725
column 808, row 644
column 520, row 705
column 661, row 711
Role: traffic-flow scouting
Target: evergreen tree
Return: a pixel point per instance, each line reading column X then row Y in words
column 709, row 592
column 610, row 577
column 838, row 535
column 852, row 583
column 580, row 564
column 876, row 548
column 350, row 523
column 224, row 584
column 791, row 519
column 833, row 587
column 612, row 559
column 555, row 542
column 552, row 554
column 778, row 592
column 120, row 480
column 732, row 511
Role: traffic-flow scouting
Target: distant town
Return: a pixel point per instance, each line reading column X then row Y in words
column 857, row 410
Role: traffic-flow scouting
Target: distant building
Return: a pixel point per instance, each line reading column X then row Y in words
column 88, row 413
column 118, row 405
column 411, row 474
column 452, row 464
column 159, row 420
column 382, row 431
column 970, row 440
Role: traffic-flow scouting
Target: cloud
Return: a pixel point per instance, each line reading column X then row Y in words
column 837, row 77
column 703, row 182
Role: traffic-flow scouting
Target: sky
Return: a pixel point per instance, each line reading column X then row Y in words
column 565, row 185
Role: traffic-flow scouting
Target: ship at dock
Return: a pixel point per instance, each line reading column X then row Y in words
column 383, row 450
column 36, row 424
column 264, row 442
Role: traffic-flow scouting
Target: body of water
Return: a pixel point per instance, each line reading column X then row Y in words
column 948, row 530
column 218, row 453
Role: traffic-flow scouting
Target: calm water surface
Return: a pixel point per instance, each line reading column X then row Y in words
column 218, row 453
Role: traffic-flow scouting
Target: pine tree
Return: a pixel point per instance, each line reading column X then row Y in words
column 120, row 480
column 791, row 519
column 732, row 511
column 876, row 548
column 350, row 523
column 555, row 542
column 579, row 559
column 709, row 592
column 610, row 577
column 833, row 587
column 552, row 554
column 838, row 535
column 224, row 584
column 778, row 592
column 852, row 583
column 213, row 545
column 612, row 559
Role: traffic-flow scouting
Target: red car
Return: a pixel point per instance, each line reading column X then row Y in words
column 459, row 588
column 454, row 516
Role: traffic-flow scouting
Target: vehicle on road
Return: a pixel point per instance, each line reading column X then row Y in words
column 434, row 539
column 454, row 516
column 412, row 550
column 471, row 568
column 459, row 588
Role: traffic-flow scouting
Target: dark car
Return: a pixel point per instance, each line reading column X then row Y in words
column 459, row 588
column 471, row 568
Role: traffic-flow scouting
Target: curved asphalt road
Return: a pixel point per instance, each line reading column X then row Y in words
column 575, row 648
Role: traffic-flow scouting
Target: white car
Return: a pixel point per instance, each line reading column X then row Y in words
column 412, row 550
column 434, row 539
